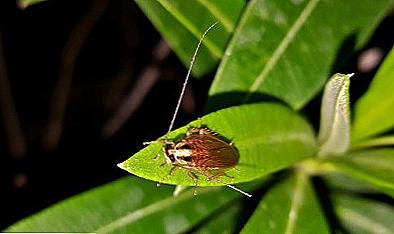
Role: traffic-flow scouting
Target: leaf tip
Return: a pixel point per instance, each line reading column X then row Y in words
column 121, row 166
column 350, row 75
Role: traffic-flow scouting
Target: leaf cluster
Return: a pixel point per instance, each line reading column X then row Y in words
column 275, row 56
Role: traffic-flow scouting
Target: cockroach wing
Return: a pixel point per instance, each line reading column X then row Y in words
column 212, row 152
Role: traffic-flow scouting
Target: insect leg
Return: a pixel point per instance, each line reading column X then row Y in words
column 213, row 176
column 151, row 142
column 170, row 173
column 167, row 142
column 216, row 178
column 192, row 131
column 195, row 180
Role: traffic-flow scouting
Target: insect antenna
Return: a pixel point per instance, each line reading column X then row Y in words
column 187, row 76
column 239, row 190
column 185, row 82
column 232, row 187
column 228, row 185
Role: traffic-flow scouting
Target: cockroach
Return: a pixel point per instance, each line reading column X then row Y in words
column 201, row 151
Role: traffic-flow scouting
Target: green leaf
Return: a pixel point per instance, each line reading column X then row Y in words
column 359, row 215
column 224, row 221
column 343, row 182
column 268, row 137
column 289, row 207
column 375, row 166
column 182, row 24
column 334, row 133
column 129, row 205
column 374, row 142
column 287, row 49
column 374, row 110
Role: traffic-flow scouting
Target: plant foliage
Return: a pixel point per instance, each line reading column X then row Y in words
column 285, row 50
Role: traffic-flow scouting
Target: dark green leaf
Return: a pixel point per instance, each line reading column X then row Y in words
column 288, row 48
column 223, row 222
column 182, row 24
column 374, row 110
column 342, row 182
column 360, row 215
column 268, row 137
column 375, row 167
column 289, row 207
column 334, row 133
column 129, row 205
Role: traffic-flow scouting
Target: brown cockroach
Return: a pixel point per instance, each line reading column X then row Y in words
column 201, row 151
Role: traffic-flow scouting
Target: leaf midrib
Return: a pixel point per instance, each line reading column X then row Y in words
column 296, row 201
column 294, row 29
column 273, row 138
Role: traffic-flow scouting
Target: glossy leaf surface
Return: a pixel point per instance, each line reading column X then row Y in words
column 129, row 205
column 268, row 137
column 287, row 49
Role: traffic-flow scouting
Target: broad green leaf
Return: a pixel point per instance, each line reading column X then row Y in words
column 359, row 215
column 375, row 166
column 287, row 49
column 289, row 207
column 375, row 110
column 129, row 205
column 224, row 221
column 182, row 24
column 267, row 136
column 334, row 133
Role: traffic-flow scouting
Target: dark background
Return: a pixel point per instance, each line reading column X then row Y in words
column 117, row 49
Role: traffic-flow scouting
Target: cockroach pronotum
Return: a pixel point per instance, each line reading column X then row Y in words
column 201, row 151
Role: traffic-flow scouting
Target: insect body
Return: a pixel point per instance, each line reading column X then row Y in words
column 203, row 151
